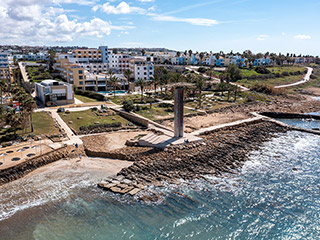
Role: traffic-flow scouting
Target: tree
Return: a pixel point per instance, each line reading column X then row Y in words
column 52, row 55
column 140, row 83
column 2, row 87
column 14, row 120
column 128, row 105
column 127, row 73
column 113, row 80
column 155, row 81
column 115, row 51
column 234, row 72
column 28, row 106
column 199, row 87
column 178, row 54
column 143, row 52
column 190, row 52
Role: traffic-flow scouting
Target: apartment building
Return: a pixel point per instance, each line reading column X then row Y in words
column 54, row 93
column 92, row 55
column 6, row 61
column 142, row 69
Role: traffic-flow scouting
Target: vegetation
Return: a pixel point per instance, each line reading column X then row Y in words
column 85, row 99
column 93, row 95
column 37, row 74
column 76, row 120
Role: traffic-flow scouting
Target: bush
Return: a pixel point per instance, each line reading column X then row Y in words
column 128, row 105
column 202, row 70
column 262, row 70
column 285, row 74
column 165, row 105
column 267, row 89
column 90, row 94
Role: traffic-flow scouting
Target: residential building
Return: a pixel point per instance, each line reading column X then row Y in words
column 54, row 93
column 142, row 69
column 6, row 61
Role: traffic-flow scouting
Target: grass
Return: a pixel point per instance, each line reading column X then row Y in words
column 272, row 81
column 89, row 117
column 85, row 99
column 43, row 125
column 119, row 99
column 285, row 69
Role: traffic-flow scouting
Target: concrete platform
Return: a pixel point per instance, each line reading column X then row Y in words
column 163, row 141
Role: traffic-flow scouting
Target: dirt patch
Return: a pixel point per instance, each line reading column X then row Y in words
column 109, row 141
column 315, row 91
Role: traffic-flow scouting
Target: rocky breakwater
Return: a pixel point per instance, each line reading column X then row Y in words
column 222, row 151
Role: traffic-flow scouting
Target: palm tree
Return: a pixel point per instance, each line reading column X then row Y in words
column 199, row 87
column 28, row 106
column 2, row 86
column 140, row 83
column 14, row 120
column 155, row 81
column 127, row 73
column 114, row 80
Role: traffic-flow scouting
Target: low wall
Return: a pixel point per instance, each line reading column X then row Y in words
column 22, row 169
column 133, row 118
column 111, row 155
column 289, row 115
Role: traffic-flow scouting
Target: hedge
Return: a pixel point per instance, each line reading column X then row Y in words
column 90, row 94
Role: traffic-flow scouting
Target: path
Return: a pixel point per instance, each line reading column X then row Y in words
column 191, row 68
column 305, row 79
column 23, row 72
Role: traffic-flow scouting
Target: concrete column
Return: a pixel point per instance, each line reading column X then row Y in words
column 178, row 112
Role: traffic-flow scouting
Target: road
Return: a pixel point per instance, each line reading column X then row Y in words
column 305, row 79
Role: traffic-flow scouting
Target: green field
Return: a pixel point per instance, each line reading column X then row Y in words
column 89, row 117
column 85, row 99
column 285, row 69
column 272, row 81
column 43, row 125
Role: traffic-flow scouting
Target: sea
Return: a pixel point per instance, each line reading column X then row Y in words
column 275, row 195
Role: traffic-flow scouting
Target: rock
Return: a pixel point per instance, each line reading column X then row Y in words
column 116, row 189
column 79, row 117
column 70, row 122
column 295, row 169
column 97, row 123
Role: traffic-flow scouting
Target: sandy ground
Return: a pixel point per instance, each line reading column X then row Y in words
column 197, row 122
column 109, row 141
column 85, row 164
column 315, row 91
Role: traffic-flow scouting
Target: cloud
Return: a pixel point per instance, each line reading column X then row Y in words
column 194, row 21
column 302, row 37
column 35, row 22
column 122, row 8
column 262, row 37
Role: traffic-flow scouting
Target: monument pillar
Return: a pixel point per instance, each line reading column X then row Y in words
column 178, row 112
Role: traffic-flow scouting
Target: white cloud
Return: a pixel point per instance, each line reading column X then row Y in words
column 35, row 22
column 262, row 37
column 122, row 8
column 302, row 36
column 194, row 21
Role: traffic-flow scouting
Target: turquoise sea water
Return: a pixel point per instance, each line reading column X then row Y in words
column 275, row 195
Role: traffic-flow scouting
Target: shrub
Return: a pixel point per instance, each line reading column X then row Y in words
column 106, row 125
column 128, row 105
column 90, row 94
column 165, row 105
column 285, row 74
column 267, row 89
column 202, row 70
column 262, row 70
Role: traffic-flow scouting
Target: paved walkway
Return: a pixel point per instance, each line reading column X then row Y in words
column 23, row 72
column 305, row 79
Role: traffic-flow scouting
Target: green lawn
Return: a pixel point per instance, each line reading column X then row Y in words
column 89, row 117
column 85, row 99
column 119, row 99
column 43, row 125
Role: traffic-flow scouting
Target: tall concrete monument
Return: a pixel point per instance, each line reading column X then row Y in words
column 178, row 112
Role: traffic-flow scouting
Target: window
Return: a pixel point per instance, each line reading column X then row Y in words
column 80, row 72
column 81, row 77
column 81, row 83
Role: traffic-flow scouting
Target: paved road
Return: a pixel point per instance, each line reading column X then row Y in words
column 305, row 79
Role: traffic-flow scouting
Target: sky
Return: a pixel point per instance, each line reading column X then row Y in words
column 210, row 25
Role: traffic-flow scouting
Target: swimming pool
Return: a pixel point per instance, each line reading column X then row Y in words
column 111, row 92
